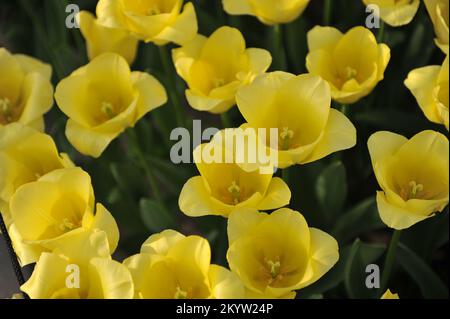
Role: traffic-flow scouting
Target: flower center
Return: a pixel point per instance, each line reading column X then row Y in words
column 286, row 135
column 274, row 267
column 108, row 110
column 218, row 82
column 412, row 191
column 235, row 192
column 350, row 73
column 180, row 294
column 67, row 225
column 6, row 109
column 153, row 10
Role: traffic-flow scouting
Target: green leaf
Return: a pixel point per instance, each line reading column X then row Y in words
column 361, row 218
column 429, row 283
column 331, row 189
column 155, row 217
column 360, row 256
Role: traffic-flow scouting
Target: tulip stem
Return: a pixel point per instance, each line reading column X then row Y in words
column 226, row 121
column 327, row 12
column 389, row 261
column 172, row 89
column 132, row 139
column 12, row 255
column 381, row 31
column 285, row 175
column 279, row 56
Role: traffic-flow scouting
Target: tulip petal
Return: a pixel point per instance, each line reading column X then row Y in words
column 323, row 38
column 152, row 93
column 32, row 65
column 339, row 134
column 241, row 221
column 225, row 284
column 278, row 195
column 195, row 200
column 237, row 7
column 162, row 242
column 104, row 221
column 383, row 144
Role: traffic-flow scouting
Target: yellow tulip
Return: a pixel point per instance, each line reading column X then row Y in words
column 157, row 21
column 57, row 212
column 225, row 186
column 429, row 85
column 100, row 278
column 267, row 11
column 25, row 155
column 104, row 98
column 395, row 12
column 172, row 266
column 389, row 295
column 351, row 63
column 438, row 11
column 215, row 67
column 299, row 107
column 26, row 93
column 413, row 176
column 276, row 254
column 101, row 39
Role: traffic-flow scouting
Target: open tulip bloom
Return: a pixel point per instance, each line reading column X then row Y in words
column 316, row 165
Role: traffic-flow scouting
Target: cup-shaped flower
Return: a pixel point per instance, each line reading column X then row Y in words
column 413, row 176
column 389, row 295
column 25, row 155
column 352, row 63
column 215, row 67
column 104, row 98
column 157, row 21
column 438, row 11
column 225, row 184
column 26, row 92
column 276, row 254
column 173, row 266
column 55, row 276
column 299, row 107
column 395, row 12
column 57, row 211
column 101, row 39
column 429, row 85
column 267, row 11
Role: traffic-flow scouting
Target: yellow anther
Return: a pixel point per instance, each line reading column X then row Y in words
column 235, row 192
column 5, row 108
column 415, row 188
column 180, row 294
column 108, row 110
column 350, row 73
column 286, row 135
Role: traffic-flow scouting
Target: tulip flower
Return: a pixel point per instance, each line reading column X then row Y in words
column 104, row 98
column 216, row 67
column 276, row 254
column 26, row 92
column 413, row 176
column 352, row 63
column 158, row 21
column 299, row 107
column 267, row 11
column 25, row 155
column 396, row 13
column 173, row 266
column 56, row 212
column 389, row 295
column 224, row 186
column 100, row 278
column 429, row 85
column 438, row 11
column 101, row 39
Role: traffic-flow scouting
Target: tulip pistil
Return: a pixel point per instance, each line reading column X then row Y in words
column 415, row 188
column 350, row 73
column 5, row 109
column 275, row 268
column 66, row 225
column 108, row 110
column 286, row 135
column 153, row 10
column 180, row 294
column 235, row 192
column 218, row 82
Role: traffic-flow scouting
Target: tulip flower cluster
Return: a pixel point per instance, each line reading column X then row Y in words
column 55, row 210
